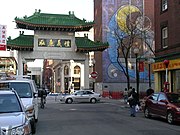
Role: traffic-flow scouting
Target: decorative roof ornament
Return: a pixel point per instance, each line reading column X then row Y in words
column 53, row 22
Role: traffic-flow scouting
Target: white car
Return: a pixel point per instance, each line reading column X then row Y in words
column 28, row 93
column 13, row 116
column 81, row 96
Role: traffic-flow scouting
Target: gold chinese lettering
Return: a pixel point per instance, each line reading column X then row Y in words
column 41, row 42
column 67, row 43
column 51, row 42
column 59, row 43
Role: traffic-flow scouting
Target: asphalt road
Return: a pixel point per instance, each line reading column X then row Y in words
column 108, row 117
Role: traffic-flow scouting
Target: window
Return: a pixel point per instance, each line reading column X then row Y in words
column 154, row 96
column 22, row 88
column 164, row 5
column 174, row 98
column 59, row 72
column 66, row 70
column 164, row 32
column 77, row 70
column 161, row 97
column 79, row 93
column 9, row 103
column 87, row 92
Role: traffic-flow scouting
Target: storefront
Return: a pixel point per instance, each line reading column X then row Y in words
column 172, row 72
column 8, row 65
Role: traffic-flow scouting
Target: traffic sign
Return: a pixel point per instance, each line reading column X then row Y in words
column 94, row 74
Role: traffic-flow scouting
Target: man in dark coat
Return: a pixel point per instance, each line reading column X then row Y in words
column 149, row 92
column 133, row 101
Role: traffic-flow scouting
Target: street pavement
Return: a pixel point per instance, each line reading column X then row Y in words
column 116, row 102
column 56, row 99
column 109, row 117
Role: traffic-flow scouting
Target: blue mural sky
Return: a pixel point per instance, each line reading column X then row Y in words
column 112, row 65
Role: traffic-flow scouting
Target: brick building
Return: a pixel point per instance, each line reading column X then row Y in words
column 167, row 44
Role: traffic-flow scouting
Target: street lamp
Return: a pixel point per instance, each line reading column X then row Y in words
column 94, row 62
column 136, row 52
column 166, row 83
column 150, row 61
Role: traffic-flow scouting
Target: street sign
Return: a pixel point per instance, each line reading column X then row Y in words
column 94, row 74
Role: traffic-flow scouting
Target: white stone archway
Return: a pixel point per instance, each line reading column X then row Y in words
column 57, row 53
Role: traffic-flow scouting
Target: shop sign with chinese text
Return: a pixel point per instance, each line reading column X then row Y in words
column 3, row 37
column 173, row 64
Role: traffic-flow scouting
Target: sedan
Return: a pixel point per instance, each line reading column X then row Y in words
column 81, row 96
column 13, row 117
column 165, row 105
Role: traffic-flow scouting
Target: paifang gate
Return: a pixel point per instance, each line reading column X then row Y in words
column 54, row 38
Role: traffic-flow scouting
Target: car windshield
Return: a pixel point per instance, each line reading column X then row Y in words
column 174, row 98
column 22, row 88
column 9, row 103
column 78, row 93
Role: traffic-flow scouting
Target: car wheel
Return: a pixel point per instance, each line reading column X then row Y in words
column 69, row 100
column 170, row 118
column 147, row 113
column 93, row 100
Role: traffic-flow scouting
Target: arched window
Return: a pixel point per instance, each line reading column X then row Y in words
column 77, row 70
column 66, row 70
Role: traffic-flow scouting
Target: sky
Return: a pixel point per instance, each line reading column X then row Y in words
column 9, row 9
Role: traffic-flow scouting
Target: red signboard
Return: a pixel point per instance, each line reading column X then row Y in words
column 94, row 74
column 3, row 37
column 141, row 66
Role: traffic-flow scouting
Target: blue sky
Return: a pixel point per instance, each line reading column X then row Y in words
column 9, row 9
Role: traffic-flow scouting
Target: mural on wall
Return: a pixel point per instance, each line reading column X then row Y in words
column 116, row 18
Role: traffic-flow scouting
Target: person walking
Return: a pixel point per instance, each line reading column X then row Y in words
column 125, row 95
column 149, row 92
column 133, row 101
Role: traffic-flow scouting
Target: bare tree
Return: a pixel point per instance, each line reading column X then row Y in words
column 135, row 32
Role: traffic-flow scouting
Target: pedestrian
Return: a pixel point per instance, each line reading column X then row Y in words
column 125, row 95
column 149, row 92
column 133, row 101
column 44, row 94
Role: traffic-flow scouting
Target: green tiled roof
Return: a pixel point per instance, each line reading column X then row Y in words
column 47, row 21
column 23, row 42
column 26, row 42
column 85, row 45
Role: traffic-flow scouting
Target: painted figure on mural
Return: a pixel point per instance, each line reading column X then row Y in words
column 119, row 24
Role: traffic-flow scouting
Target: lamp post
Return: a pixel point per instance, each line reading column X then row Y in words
column 150, row 61
column 136, row 52
column 166, row 83
column 94, row 62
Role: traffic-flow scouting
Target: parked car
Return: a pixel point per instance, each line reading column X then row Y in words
column 28, row 93
column 13, row 115
column 165, row 105
column 81, row 96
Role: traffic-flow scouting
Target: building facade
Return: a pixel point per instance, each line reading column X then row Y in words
column 109, row 67
column 167, row 44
